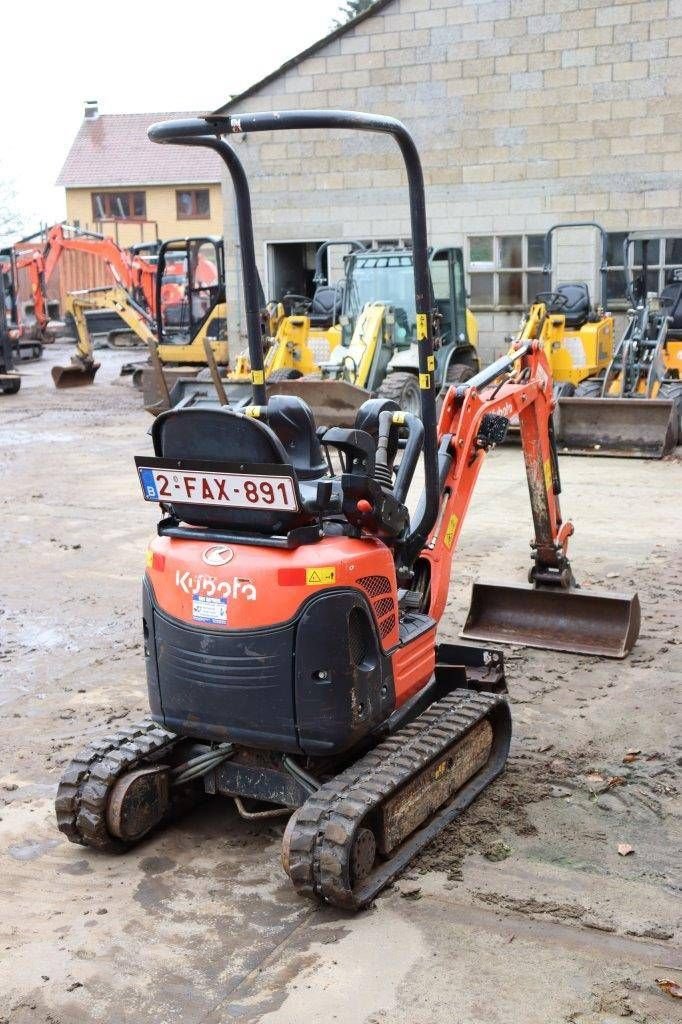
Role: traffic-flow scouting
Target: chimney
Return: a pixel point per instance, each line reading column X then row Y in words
column 91, row 110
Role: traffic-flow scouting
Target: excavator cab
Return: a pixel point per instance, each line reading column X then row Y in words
column 632, row 406
column 10, row 381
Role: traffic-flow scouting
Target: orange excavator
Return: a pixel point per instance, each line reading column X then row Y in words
column 290, row 610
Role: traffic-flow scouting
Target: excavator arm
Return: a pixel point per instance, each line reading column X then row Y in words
column 83, row 367
column 552, row 611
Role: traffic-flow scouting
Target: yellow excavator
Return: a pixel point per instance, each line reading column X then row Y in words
column 632, row 406
column 190, row 303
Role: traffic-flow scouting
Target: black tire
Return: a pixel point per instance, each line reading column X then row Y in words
column 564, row 389
column 10, row 387
column 458, row 373
column 287, row 374
column 402, row 388
column 589, row 388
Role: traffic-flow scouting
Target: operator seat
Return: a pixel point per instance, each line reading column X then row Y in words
column 283, row 434
column 325, row 309
column 577, row 308
column 671, row 301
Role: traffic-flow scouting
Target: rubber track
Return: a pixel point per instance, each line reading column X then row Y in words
column 325, row 826
column 81, row 801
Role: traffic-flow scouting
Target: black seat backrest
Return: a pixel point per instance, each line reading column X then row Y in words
column 671, row 301
column 292, row 421
column 577, row 309
column 243, row 443
column 325, row 309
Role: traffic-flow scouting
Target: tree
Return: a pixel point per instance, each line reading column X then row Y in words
column 10, row 219
column 350, row 10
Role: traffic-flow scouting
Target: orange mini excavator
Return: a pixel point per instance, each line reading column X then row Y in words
column 290, row 608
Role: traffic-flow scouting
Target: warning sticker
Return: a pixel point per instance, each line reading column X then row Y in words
column 431, row 363
column 422, row 327
column 210, row 609
column 451, row 531
column 323, row 574
column 547, row 467
column 257, row 377
column 425, row 381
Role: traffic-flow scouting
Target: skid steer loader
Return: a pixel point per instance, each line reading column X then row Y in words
column 290, row 612
column 632, row 407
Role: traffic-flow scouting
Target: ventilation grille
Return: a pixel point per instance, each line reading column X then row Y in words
column 375, row 585
column 383, row 606
column 378, row 589
column 386, row 626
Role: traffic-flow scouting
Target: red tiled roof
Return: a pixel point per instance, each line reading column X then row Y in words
column 113, row 149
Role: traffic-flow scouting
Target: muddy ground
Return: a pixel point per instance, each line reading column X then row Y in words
column 522, row 912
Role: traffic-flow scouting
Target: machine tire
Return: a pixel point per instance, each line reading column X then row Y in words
column 402, row 388
column 288, row 374
column 10, row 387
column 458, row 373
column 564, row 389
column 589, row 388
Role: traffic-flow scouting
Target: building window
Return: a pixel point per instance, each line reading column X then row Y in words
column 664, row 260
column 505, row 271
column 119, row 206
column 193, row 204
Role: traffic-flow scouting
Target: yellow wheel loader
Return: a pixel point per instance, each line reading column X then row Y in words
column 632, row 408
column 381, row 331
column 577, row 336
column 300, row 332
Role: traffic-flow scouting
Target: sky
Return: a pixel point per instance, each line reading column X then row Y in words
column 130, row 55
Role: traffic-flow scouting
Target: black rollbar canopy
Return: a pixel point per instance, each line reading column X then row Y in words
column 208, row 131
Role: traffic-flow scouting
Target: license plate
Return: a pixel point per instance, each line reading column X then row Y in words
column 208, row 487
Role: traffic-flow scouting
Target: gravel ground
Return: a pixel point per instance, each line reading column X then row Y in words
column 524, row 911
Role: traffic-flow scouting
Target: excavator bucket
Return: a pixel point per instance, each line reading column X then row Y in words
column 334, row 402
column 75, row 376
column 580, row 621
column 636, row 428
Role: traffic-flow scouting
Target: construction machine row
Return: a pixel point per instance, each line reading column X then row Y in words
column 358, row 336
column 278, row 532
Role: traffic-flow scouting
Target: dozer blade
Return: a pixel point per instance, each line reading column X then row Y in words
column 76, row 376
column 636, row 428
column 334, row 402
column 579, row 621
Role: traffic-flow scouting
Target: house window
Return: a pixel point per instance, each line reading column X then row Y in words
column 192, row 203
column 505, row 271
column 119, row 206
column 664, row 260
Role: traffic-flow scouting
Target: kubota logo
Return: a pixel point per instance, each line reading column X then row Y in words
column 219, row 554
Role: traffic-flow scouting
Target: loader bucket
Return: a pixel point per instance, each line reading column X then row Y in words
column 636, row 428
column 579, row 621
column 334, row 402
column 75, row 376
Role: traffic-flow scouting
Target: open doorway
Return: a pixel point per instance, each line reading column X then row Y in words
column 291, row 267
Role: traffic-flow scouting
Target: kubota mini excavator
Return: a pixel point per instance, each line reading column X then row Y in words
column 632, row 407
column 290, row 614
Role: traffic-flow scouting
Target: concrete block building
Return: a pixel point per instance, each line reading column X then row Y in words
column 526, row 114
